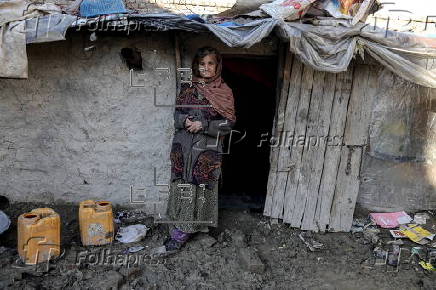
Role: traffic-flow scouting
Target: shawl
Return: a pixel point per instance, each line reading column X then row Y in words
column 217, row 92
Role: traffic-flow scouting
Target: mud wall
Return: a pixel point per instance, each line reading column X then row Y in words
column 399, row 168
column 78, row 129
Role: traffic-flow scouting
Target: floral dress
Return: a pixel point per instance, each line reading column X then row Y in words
column 196, row 163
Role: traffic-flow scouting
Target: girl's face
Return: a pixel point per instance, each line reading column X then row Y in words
column 207, row 66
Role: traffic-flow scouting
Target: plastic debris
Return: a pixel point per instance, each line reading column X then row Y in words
column 135, row 249
column 5, row 222
column 419, row 251
column 417, row 234
column 427, row 266
column 393, row 257
column 312, row 245
column 371, row 234
column 397, row 234
column 131, row 234
column 158, row 251
column 421, row 218
column 286, row 9
column 391, row 219
column 379, row 253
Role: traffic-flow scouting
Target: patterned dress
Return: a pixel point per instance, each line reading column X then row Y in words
column 196, row 163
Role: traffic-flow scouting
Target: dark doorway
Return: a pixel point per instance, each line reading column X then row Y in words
column 245, row 169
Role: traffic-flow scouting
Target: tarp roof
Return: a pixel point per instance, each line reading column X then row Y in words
column 325, row 44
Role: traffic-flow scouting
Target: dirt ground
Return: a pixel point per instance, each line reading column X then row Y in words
column 214, row 260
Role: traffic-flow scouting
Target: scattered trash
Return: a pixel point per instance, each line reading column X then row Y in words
column 312, row 245
column 360, row 224
column 158, row 251
column 417, row 234
column 5, row 222
column 379, row 253
column 344, row 9
column 395, row 242
column 131, row 234
column 391, row 219
column 355, row 229
column 135, row 249
column 397, row 234
column 420, row 252
column 285, row 9
column 421, row 218
column 371, row 234
column 427, row 266
column 393, row 257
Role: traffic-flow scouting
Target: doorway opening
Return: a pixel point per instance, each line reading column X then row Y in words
column 245, row 168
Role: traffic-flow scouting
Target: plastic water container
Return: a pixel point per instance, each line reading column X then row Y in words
column 39, row 235
column 96, row 222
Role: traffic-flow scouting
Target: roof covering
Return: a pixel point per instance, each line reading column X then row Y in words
column 324, row 43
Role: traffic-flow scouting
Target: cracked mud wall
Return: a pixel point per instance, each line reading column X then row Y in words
column 76, row 129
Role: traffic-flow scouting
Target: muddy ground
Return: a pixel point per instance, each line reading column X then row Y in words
column 213, row 260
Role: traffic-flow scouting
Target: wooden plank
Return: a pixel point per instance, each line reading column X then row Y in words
column 355, row 138
column 312, row 120
column 317, row 160
column 284, row 155
column 356, row 128
column 347, row 189
column 333, row 150
column 297, row 149
column 286, row 61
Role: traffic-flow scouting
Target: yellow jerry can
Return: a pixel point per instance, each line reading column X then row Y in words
column 39, row 235
column 96, row 222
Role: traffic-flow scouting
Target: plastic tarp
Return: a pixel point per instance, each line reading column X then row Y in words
column 328, row 44
column 331, row 44
column 13, row 15
column 48, row 28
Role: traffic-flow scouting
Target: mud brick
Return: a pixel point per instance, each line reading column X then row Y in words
column 250, row 260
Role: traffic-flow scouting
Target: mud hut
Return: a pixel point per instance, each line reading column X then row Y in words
column 329, row 113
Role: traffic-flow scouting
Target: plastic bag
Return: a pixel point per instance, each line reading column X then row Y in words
column 357, row 10
column 131, row 234
column 286, row 9
column 5, row 222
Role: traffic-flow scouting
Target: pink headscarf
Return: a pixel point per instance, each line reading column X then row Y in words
column 217, row 92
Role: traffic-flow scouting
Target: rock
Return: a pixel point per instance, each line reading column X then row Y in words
column 250, row 260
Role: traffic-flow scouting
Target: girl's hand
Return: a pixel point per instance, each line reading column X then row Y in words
column 193, row 126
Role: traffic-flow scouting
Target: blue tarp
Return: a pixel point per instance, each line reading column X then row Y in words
column 91, row 8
